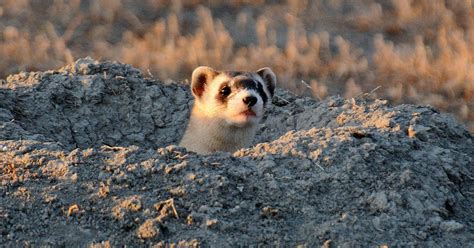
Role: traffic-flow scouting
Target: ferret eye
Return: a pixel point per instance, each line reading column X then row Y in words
column 225, row 91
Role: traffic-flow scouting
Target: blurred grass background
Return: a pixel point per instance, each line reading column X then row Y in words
column 417, row 51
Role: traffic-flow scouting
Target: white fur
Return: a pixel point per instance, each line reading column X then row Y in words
column 214, row 126
column 236, row 106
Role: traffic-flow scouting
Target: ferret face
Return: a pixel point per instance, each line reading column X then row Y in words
column 233, row 97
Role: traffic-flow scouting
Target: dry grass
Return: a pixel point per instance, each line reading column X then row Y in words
column 418, row 51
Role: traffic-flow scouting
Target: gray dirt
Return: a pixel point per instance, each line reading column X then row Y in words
column 87, row 157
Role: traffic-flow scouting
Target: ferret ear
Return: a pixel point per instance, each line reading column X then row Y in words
column 201, row 76
column 269, row 78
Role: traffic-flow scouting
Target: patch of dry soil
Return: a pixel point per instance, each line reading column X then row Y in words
column 87, row 158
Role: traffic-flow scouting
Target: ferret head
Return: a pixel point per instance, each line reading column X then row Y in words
column 236, row 98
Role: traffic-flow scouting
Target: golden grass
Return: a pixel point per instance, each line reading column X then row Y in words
column 417, row 51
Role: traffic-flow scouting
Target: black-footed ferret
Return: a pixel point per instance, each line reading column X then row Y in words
column 228, row 105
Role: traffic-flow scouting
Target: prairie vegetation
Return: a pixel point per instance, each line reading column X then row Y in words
column 409, row 51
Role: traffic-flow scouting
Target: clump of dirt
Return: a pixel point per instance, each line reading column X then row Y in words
column 87, row 158
column 90, row 104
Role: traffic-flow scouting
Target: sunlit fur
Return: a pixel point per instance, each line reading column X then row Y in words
column 215, row 125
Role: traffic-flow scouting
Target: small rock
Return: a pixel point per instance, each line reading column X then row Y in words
column 203, row 209
column 148, row 230
column 379, row 201
column 451, row 226
column 73, row 209
column 211, row 223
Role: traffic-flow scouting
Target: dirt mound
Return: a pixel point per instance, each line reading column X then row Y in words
column 87, row 158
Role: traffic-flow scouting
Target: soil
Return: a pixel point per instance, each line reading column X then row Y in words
column 88, row 158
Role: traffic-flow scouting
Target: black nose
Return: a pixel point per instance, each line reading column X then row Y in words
column 250, row 100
